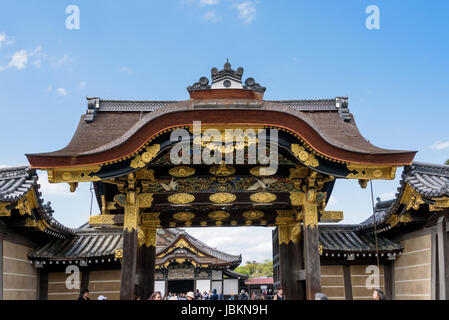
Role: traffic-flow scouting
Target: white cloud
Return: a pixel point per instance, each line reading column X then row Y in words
column 4, row 39
column 48, row 188
column 211, row 16
column 19, row 60
column 440, row 145
column 247, row 11
column 208, row 2
column 126, row 69
column 62, row 91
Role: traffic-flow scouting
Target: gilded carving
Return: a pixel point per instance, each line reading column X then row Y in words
column 367, row 172
column 145, row 174
column 77, row 174
column 295, row 232
column 263, row 197
column 118, row 254
column 4, row 211
column 143, row 159
column 151, row 219
column 297, row 198
column 299, row 172
column 331, row 216
column 145, row 200
column 305, row 157
column 181, row 171
column 181, row 198
column 222, row 170
column 101, row 219
column 184, row 216
column 140, row 237
column 439, row 204
column 219, row 215
column 222, row 197
column 30, row 222
column 253, row 214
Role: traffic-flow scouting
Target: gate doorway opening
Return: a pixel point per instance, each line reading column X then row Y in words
column 180, row 286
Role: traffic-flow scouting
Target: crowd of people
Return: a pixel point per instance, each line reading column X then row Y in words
column 211, row 295
column 214, row 295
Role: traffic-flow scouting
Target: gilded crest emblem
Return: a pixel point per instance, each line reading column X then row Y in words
column 263, row 197
column 222, row 197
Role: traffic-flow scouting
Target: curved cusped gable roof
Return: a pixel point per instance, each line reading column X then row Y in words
column 117, row 135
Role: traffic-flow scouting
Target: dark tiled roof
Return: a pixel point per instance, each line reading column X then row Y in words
column 345, row 239
column 331, row 119
column 91, row 242
column 203, row 247
column 15, row 182
column 429, row 180
column 132, row 105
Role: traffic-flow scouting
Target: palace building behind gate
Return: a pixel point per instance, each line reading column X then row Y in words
column 137, row 244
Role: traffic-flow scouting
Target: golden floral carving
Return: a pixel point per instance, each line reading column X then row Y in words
column 253, row 214
column 222, row 197
column 181, row 198
column 222, row 170
column 305, row 157
column 219, row 215
column 181, row 171
column 184, row 216
column 118, row 254
column 143, row 159
column 263, row 197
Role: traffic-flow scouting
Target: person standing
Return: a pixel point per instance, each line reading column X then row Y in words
column 378, row 294
column 243, row 295
column 84, row 295
column 190, row 295
column 279, row 295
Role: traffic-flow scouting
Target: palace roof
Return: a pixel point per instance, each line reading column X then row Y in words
column 115, row 129
column 15, row 182
column 423, row 190
column 101, row 244
column 344, row 240
column 22, row 207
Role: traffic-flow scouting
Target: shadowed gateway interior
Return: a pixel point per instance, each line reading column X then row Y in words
column 180, row 286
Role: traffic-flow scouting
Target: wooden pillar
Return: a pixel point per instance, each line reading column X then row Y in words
column 290, row 255
column 347, row 281
column 388, row 280
column 129, row 259
column 42, row 284
column 443, row 259
column 85, row 278
column 311, row 246
column 146, row 261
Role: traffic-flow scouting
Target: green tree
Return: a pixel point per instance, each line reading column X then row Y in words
column 447, row 162
column 256, row 269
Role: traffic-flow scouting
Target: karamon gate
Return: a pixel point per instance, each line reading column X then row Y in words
column 126, row 148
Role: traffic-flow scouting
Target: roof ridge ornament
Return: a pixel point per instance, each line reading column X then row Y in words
column 226, row 78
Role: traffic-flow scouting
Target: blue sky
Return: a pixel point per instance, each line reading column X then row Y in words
column 396, row 77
